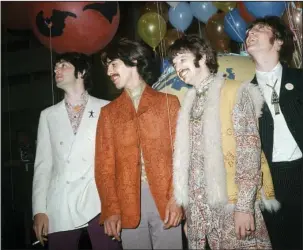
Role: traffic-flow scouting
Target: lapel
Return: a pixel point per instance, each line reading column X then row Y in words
column 63, row 124
column 287, row 97
column 266, row 128
column 127, row 111
column 147, row 101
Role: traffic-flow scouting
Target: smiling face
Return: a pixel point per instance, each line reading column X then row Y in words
column 184, row 64
column 64, row 74
column 120, row 74
column 260, row 39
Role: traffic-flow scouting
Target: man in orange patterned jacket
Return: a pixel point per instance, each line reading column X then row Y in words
column 134, row 141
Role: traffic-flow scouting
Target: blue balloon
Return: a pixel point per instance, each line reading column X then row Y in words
column 181, row 16
column 203, row 10
column 234, row 26
column 262, row 9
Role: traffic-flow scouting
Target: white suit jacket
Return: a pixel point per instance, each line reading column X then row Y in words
column 64, row 183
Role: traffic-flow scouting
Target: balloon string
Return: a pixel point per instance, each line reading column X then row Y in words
column 155, row 52
column 294, row 29
column 49, row 25
column 200, row 33
column 166, row 94
column 297, row 41
column 161, row 45
column 179, row 33
column 235, row 30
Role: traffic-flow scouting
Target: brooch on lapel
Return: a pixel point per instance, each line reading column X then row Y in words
column 91, row 114
column 289, row 86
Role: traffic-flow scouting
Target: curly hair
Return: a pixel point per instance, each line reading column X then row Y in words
column 132, row 53
column 82, row 65
column 199, row 47
column 280, row 32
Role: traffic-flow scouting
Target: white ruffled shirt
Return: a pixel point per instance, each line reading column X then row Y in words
column 285, row 147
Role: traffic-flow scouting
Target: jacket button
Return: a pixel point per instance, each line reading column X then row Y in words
column 82, row 178
column 67, row 182
column 68, row 162
column 61, row 142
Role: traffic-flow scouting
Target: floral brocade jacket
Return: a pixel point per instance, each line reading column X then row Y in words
column 121, row 133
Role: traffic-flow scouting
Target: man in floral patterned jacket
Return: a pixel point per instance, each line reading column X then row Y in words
column 134, row 142
column 218, row 175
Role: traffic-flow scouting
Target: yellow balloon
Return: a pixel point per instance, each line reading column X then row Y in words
column 151, row 28
column 225, row 6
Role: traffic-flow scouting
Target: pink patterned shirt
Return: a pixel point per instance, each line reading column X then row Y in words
column 75, row 112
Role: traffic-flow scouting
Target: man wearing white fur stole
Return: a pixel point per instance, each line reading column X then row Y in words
column 221, row 176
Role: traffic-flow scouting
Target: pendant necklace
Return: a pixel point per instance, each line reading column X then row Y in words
column 197, row 109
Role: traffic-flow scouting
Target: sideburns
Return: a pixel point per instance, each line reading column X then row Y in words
column 272, row 39
column 196, row 63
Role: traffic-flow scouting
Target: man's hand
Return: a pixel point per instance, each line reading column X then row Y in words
column 173, row 214
column 41, row 227
column 244, row 224
column 112, row 226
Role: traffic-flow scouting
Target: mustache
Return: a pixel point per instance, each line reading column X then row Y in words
column 182, row 70
column 114, row 75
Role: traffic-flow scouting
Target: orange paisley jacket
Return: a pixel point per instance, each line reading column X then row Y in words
column 121, row 132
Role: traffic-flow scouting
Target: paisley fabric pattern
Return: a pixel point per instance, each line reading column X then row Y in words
column 216, row 223
column 248, row 154
column 75, row 114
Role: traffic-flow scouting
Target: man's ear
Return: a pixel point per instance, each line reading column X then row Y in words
column 135, row 62
column 278, row 44
column 81, row 75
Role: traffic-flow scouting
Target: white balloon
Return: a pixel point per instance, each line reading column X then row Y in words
column 173, row 4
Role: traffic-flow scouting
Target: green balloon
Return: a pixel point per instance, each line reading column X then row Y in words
column 151, row 28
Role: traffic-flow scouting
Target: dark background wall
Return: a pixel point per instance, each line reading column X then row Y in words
column 26, row 89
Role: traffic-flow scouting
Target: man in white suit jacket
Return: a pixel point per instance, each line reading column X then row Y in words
column 65, row 197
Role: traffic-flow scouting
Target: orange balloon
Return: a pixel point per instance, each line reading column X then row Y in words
column 158, row 7
column 219, row 40
column 170, row 37
column 85, row 27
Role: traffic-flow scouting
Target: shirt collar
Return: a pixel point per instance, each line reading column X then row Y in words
column 204, row 85
column 83, row 99
column 270, row 76
column 136, row 93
